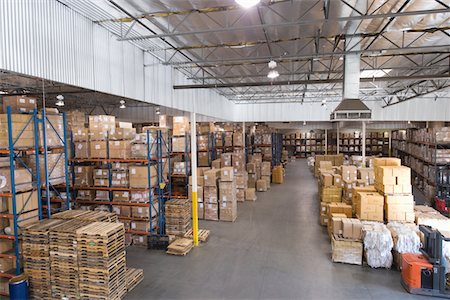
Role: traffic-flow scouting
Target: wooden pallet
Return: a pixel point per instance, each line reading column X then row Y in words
column 87, row 215
column 181, row 246
column 133, row 277
column 203, row 234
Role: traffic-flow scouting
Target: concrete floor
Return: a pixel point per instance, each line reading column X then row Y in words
column 276, row 249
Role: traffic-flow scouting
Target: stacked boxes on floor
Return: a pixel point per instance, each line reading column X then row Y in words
column 203, row 143
column 178, row 216
column 210, row 194
column 394, row 182
column 241, row 175
column 227, row 195
column 200, row 186
column 21, row 127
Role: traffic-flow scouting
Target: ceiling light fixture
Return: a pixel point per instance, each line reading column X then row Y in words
column 304, row 123
column 273, row 74
column 60, row 100
column 247, row 3
column 122, row 104
column 272, row 64
column 158, row 111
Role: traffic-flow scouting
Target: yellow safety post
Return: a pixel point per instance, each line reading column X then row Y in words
column 194, row 179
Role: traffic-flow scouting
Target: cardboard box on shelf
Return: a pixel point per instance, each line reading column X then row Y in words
column 165, row 121
column 211, row 211
column 120, row 149
column 19, row 103
column 98, row 149
column 251, row 182
column 140, row 197
column 138, row 177
column 22, row 178
column 141, row 212
column 225, row 160
column 203, row 159
column 251, row 168
column 82, row 150
column 228, row 211
column 180, row 125
column 24, row 202
column 326, row 179
column 179, row 144
column 86, row 194
column 200, row 180
column 140, row 226
column 237, row 139
column 331, row 194
column 123, row 211
column 226, row 174
column 349, row 173
column 119, row 179
column 265, row 168
column 121, row 196
column 261, row 185
column 399, row 208
column 369, row 206
column 83, row 175
column 122, row 133
column 102, row 122
column 80, row 134
column 339, row 207
column 200, row 193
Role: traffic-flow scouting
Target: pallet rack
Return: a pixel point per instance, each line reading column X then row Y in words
column 17, row 155
column 185, row 155
column 430, row 175
column 210, row 148
column 157, row 141
column 277, row 147
column 304, row 144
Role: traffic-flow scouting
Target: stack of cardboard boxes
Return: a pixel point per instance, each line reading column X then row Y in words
column 210, row 192
column 22, row 104
column 241, row 175
column 227, row 195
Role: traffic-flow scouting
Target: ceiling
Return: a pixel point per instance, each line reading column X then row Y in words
column 220, row 45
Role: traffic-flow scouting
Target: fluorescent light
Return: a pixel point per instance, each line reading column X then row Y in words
column 374, row 73
column 273, row 74
column 158, row 111
column 122, row 106
column 59, row 103
column 304, row 122
column 272, row 64
column 247, row 3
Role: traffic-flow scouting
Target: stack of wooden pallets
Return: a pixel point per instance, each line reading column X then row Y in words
column 133, row 278
column 178, row 216
column 180, row 246
column 36, row 257
column 101, row 260
column 64, row 259
column 87, row 215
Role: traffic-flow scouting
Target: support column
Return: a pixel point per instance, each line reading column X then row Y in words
column 243, row 136
column 363, row 143
column 194, row 178
column 390, row 142
column 337, row 138
column 326, row 141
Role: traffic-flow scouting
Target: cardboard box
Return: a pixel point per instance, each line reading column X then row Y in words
column 386, row 161
column 120, row 149
column 349, row 252
column 19, row 103
column 261, row 185
column 339, row 207
column 138, row 177
column 140, row 226
column 82, row 150
column 86, row 194
column 102, row 122
column 211, row 177
column 323, row 219
column 179, row 144
column 122, row 133
column 141, row 197
column 265, row 168
column 250, row 194
column 349, row 173
column 22, row 179
column 335, row 225
column 351, row 229
column 326, row 179
column 180, row 126
column 267, row 179
column 165, row 121
column 228, row 211
column 123, row 211
column 251, row 168
column 337, row 180
column 399, row 208
column 80, row 134
column 226, row 174
column 200, row 180
column 211, row 211
column 200, row 193
column 240, row 195
column 369, row 206
column 83, row 175
column 98, row 149
column 216, row 164
column 201, row 210
column 24, row 202
column 251, row 181
column 241, row 180
column 331, row 194
column 225, row 160
column 227, row 191
column 210, row 194
column 121, row 196
column 203, row 159
column 119, row 179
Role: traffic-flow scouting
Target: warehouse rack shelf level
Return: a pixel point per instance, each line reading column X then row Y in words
column 180, row 180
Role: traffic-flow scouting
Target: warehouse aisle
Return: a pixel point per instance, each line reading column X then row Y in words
column 275, row 249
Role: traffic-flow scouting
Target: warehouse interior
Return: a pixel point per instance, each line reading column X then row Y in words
column 232, row 149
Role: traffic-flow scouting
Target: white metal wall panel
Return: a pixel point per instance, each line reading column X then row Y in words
column 116, row 63
column 84, row 60
column 101, row 59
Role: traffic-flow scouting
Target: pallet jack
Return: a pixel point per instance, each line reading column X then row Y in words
column 424, row 274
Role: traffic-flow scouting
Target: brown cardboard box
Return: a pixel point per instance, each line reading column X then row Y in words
column 367, row 175
column 83, row 175
column 180, row 126
column 19, row 103
column 124, row 211
column 261, row 185
column 237, row 139
column 327, row 179
column 349, row 252
column 101, row 182
column 86, row 194
column 140, row 226
column 119, row 179
column 227, row 191
column 251, row 182
column 200, row 180
column 357, row 229
column 240, row 195
column 228, row 211
column 138, row 177
column 211, row 211
column 267, row 179
column 120, row 149
column 141, row 197
column 98, row 149
column 203, row 159
column 24, row 202
column 335, row 224
column 201, row 210
column 22, row 179
column 6, row 264
column 141, row 212
column 251, row 168
column 226, row 174
column 98, row 134
column 210, row 194
column 337, row 180
column 82, row 150
column 179, row 144
column 265, row 168
column 331, row 194
column 369, row 206
column 5, row 246
column 165, row 121
column 122, row 133
column 356, row 190
column 80, row 134
column 399, row 208
column 140, row 240
column 250, row 194
column 225, row 160
column 211, row 177
column 323, row 220
column 349, row 173
column 386, row 161
column 121, row 196
column 241, row 180
column 102, row 122
column 56, row 167
column 340, row 208
column 216, row 164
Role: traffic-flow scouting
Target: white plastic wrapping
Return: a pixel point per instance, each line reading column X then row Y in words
column 378, row 244
column 446, row 253
column 405, row 237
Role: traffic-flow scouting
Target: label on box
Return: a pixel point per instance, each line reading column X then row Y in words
column 206, row 177
column 21, row 100
column 125, row 194
column 79, row 131
column 200, row 204
column 119, row 176
column 22, row 109
column 141, row 239
column 80, row 169
column 209, row 205
column 102, row 182
column 140, row 210
column 224, row 198
column 225, row 173
column 224, row 204
column 133, row 171
column 116, row 143
column 133, row 225
column 31, row 101
column 97, row 147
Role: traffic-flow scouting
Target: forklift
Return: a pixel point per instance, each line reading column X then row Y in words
column 425, row 273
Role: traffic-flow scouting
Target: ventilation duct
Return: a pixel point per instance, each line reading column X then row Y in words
column 351, row 110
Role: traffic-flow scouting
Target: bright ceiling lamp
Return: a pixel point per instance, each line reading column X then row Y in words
column 374, row 73
column 273, row 74
column 60, row 100
column 247, row 3
column 122, row 104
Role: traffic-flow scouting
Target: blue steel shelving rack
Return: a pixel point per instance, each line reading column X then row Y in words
column 158, row 142
column 277, row 147
column 186, row 158
column 48, row 187
column 16, row 156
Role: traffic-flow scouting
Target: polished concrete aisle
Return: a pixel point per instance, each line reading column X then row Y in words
column 276, row 249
